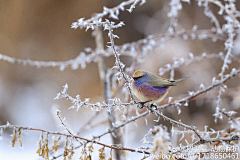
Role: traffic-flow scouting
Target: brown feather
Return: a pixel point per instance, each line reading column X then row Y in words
column 157, row 81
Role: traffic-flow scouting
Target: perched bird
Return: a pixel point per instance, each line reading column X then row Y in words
column 150, row 88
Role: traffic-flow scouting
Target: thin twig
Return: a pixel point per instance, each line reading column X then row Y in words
column 65, row 126
column 84, row 127
column 118, row 63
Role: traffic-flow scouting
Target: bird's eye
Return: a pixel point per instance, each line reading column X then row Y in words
column 137, row 77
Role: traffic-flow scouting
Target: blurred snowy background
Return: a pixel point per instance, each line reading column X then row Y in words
column 41, row 30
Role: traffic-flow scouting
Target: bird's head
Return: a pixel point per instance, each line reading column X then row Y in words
column 140, row 75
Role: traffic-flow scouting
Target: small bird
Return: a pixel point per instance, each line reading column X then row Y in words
column 150, row 88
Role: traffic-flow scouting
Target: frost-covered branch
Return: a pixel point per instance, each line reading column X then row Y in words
column 209, row 140
column 70, row 135
column 138, row 51
column 128, row 49
column 116, row 102
column 184, row 62
column 81, row 60
column 193, row 94
column 230, row 27
column 228, row 114
column 78, row 103
column 107, row 25
column 119, row 64
column 202, row 140
column 113, row 13
column 178, row 123
column 176, row 103
column 65, row 126
column 109, row 131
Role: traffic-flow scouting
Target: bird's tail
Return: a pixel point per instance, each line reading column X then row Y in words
column 180, row 79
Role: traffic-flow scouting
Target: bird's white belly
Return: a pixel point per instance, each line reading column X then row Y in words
column 141, row 96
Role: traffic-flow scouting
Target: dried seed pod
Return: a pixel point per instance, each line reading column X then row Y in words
column 43, row 149
column 39, row 148
column 71, row 152
column 65, row 152
column 19, row 135
column 102, row 155
column 84, row 153
column 14, row 137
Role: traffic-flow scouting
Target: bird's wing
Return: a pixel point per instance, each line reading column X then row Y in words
column 156, row 81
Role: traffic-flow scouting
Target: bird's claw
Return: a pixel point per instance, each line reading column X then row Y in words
column 152, row 107
column 142, row 104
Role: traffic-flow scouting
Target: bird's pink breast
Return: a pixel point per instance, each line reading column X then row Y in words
column 151, row 93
